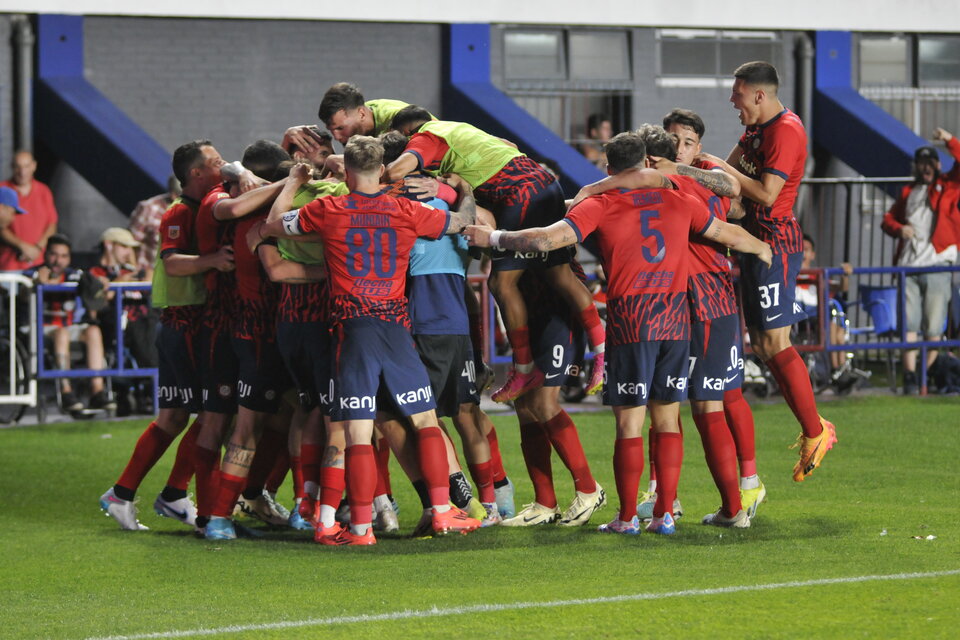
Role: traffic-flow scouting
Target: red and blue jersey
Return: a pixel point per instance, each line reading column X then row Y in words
column 211, row 235
column 643, row 236
column 367, row 240
column 257, row 296
column 710, row 284
column 778, row 146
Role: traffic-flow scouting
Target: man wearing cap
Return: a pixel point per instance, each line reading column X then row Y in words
column 9, row 206
column 23, row 242
column 926, row 221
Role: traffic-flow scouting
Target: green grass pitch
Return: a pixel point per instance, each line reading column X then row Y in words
column 66, row 571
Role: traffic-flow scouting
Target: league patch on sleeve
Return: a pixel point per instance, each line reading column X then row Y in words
column 173, row 232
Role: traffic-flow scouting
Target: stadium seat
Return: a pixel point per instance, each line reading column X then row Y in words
column 880, row 303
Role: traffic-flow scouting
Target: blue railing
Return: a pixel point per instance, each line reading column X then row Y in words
column 121, row 368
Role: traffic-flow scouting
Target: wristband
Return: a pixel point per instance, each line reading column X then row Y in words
column 495, row 239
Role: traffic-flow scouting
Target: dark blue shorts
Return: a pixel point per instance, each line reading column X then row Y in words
column 450, row 367
column 179, row 380
column 558, row 349
column 716, row 357
column 306, row 350
column 372, row 354
column 769, row 293
column 641, row 371
column 262, row 378
column 220, row 370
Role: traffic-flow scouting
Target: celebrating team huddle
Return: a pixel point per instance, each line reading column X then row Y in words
column 315, row 316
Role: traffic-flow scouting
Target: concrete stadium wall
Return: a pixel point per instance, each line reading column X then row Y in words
column 6, row 96
column 235, row 81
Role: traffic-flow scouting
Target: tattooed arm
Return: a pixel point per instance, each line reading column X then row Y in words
column 738, row 239
column 559, row 234
column 736, row 211
column 466, row 213
column 722, row 184
column 626, row 179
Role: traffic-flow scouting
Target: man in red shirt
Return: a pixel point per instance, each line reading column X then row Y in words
column 24, row 241
column 768, row 163
column 367, row 237
column 648, row 316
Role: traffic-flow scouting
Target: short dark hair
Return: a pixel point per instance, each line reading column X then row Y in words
column 658, row 142
column 186, row 157
column 393, row 143
column 758, row 73
column 60, row 238
column 808, row 238
column 685, row 118
column 594, row 120
column 410, row 114
column 342, row 95
column 264, row 158
column 624, row 151
column 363, row 154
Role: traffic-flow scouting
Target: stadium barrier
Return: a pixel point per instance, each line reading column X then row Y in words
column 43, row 372
column 18, row 382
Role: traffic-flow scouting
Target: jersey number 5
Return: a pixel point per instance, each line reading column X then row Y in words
column 645, row 217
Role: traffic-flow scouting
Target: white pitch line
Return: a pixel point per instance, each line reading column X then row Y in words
column 511, row 606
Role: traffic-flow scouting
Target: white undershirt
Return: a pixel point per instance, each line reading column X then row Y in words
column 918, row 251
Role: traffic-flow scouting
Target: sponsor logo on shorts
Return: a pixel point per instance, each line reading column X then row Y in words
column 531, row 255
column 676, row 382
column 358, row 402
column 423, row 394
column 797, row 308
column 772, row 318
column 244, row 390
column 572, row 370
column 326, row 399
column 632, row 389
column 169, row 393
column 224, row 390
column 713, row 384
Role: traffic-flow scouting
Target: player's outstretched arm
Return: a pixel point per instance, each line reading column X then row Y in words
column 300, row 173
column 764, row 191
column 558, row 235
column 466, row 213
column 738, row 239
column 247, row 203
column 720, row 182
column 400, row 167
column 627, row 179
column 184, row 264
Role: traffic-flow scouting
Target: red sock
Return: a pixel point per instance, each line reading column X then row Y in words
column 476, row 336
column 361, row 461
column 383, row 467
column 794, row 380
column 564, row 438
column 721, row 455
column 627, row 469
column 227, row 494
column 499, row 473
column 669, row 459
column 520, row 341
column 206, row 463
column 278, row 473
column 310, row 457
column 433, row 464
column 153, row 442
column 535, row 446
column 269, row 446
column 296, row 466
column 182, row 469
column 482, row 475
column 740, row 422
column 596, row 334
column 332, row 483
column 651, row 452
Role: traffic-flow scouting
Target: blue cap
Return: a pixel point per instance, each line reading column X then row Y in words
column 9, row 197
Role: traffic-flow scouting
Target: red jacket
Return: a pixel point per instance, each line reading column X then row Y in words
column 943, row 197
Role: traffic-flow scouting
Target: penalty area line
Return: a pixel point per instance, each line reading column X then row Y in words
column 436, row 612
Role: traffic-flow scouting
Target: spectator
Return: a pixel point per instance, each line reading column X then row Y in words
column 22, row 243
column 118, row 263
column 926, row 221
column 145, row 224
column 59, row 324
column 843, row 376
column 9, row 206
column 599, row 131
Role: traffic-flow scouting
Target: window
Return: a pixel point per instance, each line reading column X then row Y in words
column 534, row 55
column 885, row 60
column 939, row 60
column 707, row 57
column 599, row 55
